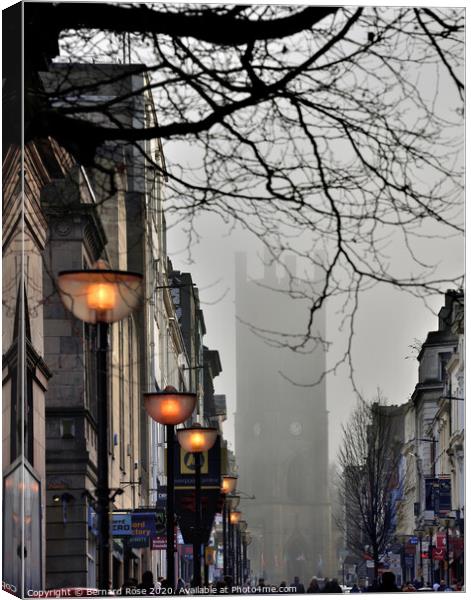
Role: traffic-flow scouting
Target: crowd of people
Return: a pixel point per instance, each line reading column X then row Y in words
column 225, row 585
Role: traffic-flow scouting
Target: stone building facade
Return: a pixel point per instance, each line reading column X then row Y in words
column 26, row 372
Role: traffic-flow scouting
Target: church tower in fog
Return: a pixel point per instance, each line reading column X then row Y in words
column 281, row 435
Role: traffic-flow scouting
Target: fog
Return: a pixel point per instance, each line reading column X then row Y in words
column 387, row 324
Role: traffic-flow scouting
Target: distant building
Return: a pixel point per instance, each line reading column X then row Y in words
column 212, row 368
column 190, row 318
column 281, row 435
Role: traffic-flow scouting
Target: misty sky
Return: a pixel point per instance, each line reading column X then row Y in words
column 388, row 321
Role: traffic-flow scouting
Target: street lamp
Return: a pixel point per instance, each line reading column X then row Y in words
column 430, row 553
column 197, row 439
column 246, row 541
column 233, row 503
column 101, row 296
column 419, row 533
column 229, row 483
column 170, row 408
column 240, row 529
column 448, row 522
column 234, row 518
column 228, row 486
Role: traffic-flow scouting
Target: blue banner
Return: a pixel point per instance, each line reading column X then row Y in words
column 143, row 524
column 136, row 523
column 121, row 524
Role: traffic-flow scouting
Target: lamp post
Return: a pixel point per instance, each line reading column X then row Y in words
column 419, row 533
column 238, row 556
column 228, row 486
column 101, row 296
column 170, row 408
column 242, row 527
column 246, row 541
column 448, row 522
column 197, row 439
column 234, row 518
column 430, row 553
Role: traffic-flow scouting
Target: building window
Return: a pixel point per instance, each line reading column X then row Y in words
column 91, row 561
column 67, row 428
column 443, row 358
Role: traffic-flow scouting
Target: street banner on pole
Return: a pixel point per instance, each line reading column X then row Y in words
column 185, row 493
column 441, row 540
column 438, row 495
column 210, row 468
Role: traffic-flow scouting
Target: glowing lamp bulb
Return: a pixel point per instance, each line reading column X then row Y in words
column 225, row 486
column 170, row 408
column 101, row 296
column 235, row 517
column 197, row 441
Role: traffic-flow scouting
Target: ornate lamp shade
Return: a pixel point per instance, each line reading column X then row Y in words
column 100, row 295
column 197, row 438
column 233, row 501
column 170, row 407
column 229, row 483
column 235, row 517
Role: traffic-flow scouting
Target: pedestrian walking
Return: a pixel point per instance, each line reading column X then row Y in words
column 442, row 586
column 147, row 585
column 298, row 585
column 282, row 587
column 335, row 587
column 313, row 587
column 388, row 583
column 417, row 583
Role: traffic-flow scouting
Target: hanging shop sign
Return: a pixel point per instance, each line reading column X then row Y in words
column 135, row 523
column 144, row 523
column 138, row 541
column 121, row 524
column 441, row 540
column 161, row 496
column 159, row 542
